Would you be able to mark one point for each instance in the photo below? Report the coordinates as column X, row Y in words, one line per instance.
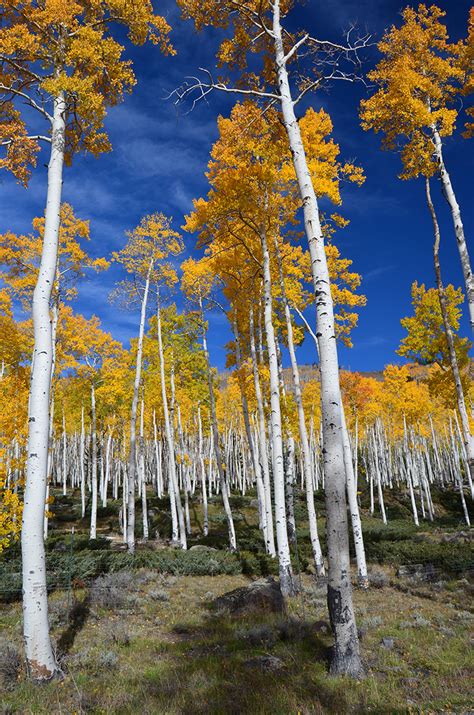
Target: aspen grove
column 180, row 425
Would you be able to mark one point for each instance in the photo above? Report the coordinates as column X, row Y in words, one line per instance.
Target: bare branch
column 202, row 89
column 350, row 48
column 295, row 48
column 308, row 88
column 29, row 100
column 308, row 327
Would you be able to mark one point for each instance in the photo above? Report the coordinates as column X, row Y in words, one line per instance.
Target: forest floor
column 133, row 639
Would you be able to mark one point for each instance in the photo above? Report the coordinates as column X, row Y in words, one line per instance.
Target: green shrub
column 450, row 557
column 84, row 566
column 258, row 564
column 112, row 509
column 65, row 542
column 239, row 502
column 10, row 583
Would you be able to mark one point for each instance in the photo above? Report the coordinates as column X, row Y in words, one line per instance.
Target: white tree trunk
column 252, row 446
column 457, row 477
column 346, row 657
column 40, row 659
column 132, row 457
column 50, row 458
column 262, row 443
column 142, row 474
column 284, row 559
column 466, row 430
column 178, row 532
column 82, row 459
column 64, row 461
column 450, row 197
column 107, row 469
column 93, row 528
column 54, row 330
column 354, row 506
column 159, row 474
column 177, row 493
column 205, row 526
column 307, row 470
column 217, row 449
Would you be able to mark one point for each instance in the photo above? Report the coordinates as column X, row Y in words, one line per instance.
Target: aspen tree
column 20, row 255
column 262, row 432
column 416, row 104
column 258, row 30
column 62, row 62
column 443, row 302
column 286, row 574
column 13, row 394
column 178, row 530
column 433, row 339
column 466, row 59
column 89, row 347
column 172, row 351
column 205, row 525
column 255, row 149
column 348, row 320
column 257, row 445
column 197, row 283
column 144, row 257
column 308, row 473
column 245, row 212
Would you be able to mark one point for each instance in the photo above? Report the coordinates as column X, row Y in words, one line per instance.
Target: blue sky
column 159, row 158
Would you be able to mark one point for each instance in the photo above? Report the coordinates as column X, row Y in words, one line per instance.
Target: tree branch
column 204, row 88
column 29, row 100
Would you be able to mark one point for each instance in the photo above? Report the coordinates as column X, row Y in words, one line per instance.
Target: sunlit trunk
column 262, row 443
column 217, row 449
column 304, row 442
column 93, row 527
column 467, row 439
column 450, row 197
column 178, row 533
column 284, row 560
column 40, row 658
column 132, row 457
column 346, row 657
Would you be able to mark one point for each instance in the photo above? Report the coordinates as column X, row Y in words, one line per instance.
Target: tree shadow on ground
column 77, row 619
column 272, row 664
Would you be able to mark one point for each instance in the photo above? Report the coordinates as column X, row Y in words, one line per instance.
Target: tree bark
column 40, row 659
column 307, row 470
column 93, row 527
column 217, row 448
column 286, row 574
column 132, row 456
column 346, row 657
column 177, row 524
column 142, row 475
column 205, row 525
column 450, row 197
column 262, row 442
column 82, row 459
column 259, row 479
column 354, row 506
column 465, row 428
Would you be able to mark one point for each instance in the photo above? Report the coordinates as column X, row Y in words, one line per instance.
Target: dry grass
column 172, row 656
column 142, row 642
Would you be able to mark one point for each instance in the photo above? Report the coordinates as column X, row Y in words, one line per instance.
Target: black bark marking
column 334, row 605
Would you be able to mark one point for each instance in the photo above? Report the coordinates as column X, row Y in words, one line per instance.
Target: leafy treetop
column 65, row 48
column 418, row 81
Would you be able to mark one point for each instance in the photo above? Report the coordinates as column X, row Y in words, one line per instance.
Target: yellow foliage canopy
column 419, row 78
column 65, row 48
